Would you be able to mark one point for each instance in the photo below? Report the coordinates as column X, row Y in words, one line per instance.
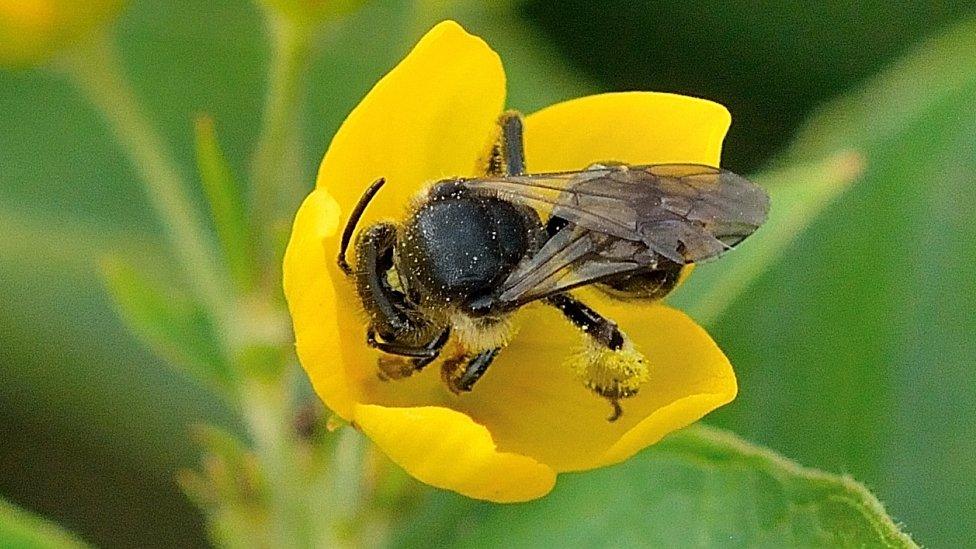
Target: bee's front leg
column 401, row 360
column 462, row 371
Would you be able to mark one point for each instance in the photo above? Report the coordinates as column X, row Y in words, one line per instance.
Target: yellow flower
column 31, row 31
column 529, row 418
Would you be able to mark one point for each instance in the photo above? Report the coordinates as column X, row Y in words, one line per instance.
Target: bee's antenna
column 354, row 217
column 617, row 410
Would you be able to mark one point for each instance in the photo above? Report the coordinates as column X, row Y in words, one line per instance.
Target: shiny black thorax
column 458, row 246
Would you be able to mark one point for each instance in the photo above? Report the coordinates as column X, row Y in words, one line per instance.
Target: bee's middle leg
column 462, row 371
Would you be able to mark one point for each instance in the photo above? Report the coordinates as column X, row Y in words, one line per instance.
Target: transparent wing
column 573, row 257
column 684, row 212
column 623, row 218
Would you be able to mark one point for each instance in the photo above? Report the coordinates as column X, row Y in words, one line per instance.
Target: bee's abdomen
column 646, row 285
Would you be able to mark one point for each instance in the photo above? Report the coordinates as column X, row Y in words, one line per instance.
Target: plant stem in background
column 274, row 179
column 268, row 412
column 95, row 68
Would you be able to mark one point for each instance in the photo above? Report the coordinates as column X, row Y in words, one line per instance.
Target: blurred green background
column 855, row 352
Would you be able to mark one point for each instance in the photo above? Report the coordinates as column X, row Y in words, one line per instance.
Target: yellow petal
column 430, row 118
column 533, row 404
column 445, row 448
column 312, row 301
column 632, row 127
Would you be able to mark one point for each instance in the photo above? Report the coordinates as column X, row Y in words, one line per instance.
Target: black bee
column 472, row 251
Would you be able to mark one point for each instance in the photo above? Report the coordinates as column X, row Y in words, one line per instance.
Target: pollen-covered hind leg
column 612, row 374
column 608, row 365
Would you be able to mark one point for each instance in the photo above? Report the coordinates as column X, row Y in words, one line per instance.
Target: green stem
column 274, row 178
column 266, row 407
column 96, row 70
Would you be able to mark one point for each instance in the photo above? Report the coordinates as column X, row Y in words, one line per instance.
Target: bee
column 472, row 251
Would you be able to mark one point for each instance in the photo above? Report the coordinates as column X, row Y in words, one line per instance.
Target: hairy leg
column 461, row 372
column 508, row 154
column 609, row 365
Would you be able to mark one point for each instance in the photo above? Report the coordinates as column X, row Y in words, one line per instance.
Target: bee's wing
column 572, row 257
column 684, row 212
column 624, row 218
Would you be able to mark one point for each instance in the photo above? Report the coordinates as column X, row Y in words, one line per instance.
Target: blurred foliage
column 228, row 207
column 31, row 31
column 169, row 322
column 19, row 529
column 769, row 62
column 313, row 11
column 854, row 352
column 230, row 490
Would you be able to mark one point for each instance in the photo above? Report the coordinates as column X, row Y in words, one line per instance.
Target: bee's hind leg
column 508, row 154
column 602, row 330
column 609, row 365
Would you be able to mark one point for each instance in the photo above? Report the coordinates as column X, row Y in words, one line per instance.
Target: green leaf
column 854, row 351
column 228, row 207
column 170, row 322
column 700, row 487
column 22, row 530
